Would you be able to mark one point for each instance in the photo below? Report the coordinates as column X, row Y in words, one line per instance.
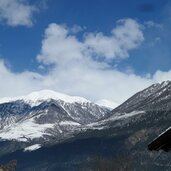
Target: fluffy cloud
column 162, row 76
column 126, row 36
column 73, row 66
column 16, row 12
column 59, row 45
column 83, row 80
column 17, row 83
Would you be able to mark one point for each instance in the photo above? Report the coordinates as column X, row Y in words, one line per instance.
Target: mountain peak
column 49, row 94
column 45, row 113
column 37, row 96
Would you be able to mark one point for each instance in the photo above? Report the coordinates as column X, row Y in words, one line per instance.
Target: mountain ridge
column 48, row 119
column 37, row 96
column 156, row 94
column 126, row 129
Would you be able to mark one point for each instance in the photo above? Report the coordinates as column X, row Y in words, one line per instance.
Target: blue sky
column 101, row 17
column 24, row 43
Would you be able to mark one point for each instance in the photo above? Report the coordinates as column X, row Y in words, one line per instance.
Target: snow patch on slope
column 126, row 115
column 69, row 123
column 115, row 117
column 22, row 131
column 32, row 147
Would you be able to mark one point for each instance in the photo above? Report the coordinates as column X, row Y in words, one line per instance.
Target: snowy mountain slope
column 133, row 124
column 23, row 131
column 43, row 116
column 157, row 96
column 11, row 112
column 118, row 119
column 154, row 98
column 46, row 115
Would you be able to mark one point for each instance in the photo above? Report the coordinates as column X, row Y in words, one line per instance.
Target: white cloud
column 152, row 24
column 126, row 36
column 76, row 71
column 59, row 46
column 162, row 76
column 73, row 67
column 77, row 29
column 83, row 80
column 16, row 12
column 17, row 83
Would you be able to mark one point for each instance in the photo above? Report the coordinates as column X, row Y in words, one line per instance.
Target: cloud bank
column 82, row 66
column 16, row 12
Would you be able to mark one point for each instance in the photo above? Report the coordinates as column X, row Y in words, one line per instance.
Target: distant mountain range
column 51, row 131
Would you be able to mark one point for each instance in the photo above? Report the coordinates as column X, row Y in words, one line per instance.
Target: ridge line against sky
column 73, row 59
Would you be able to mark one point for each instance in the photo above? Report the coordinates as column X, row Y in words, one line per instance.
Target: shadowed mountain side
column 68, row 156
column 11, row 166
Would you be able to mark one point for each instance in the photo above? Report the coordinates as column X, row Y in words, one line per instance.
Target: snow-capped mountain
column 156, row 98
column 46, row 115
column 126, row 130
column 37, row 130
column 50, row 115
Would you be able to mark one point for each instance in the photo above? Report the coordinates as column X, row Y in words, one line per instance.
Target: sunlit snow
column 32, row 147
column 36, row 98
column 69, row 123
column 25, row 130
